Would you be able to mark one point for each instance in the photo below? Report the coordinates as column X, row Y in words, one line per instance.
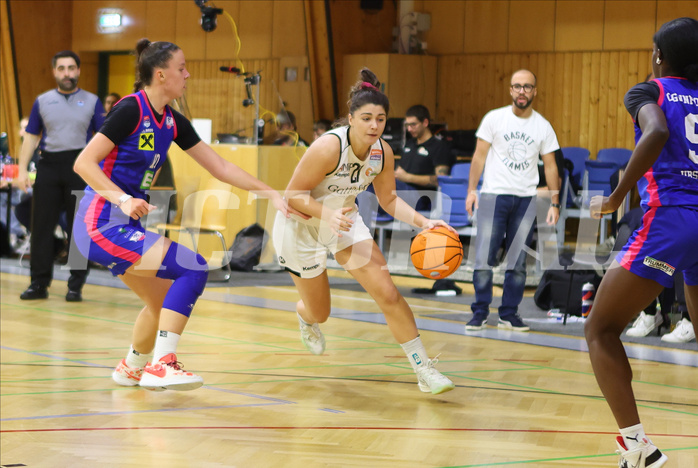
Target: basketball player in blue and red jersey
column 119, row 165
column 664, row 164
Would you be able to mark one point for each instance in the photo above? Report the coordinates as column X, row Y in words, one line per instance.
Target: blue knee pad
column 189, row 272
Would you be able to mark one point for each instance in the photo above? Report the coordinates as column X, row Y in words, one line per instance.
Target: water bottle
column 587, row 298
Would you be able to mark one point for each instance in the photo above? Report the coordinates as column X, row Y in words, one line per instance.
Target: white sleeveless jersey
column 350, row 176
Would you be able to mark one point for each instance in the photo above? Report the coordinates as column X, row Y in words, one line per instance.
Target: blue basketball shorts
column 665, row 243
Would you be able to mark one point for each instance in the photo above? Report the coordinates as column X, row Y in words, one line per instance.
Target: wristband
column 555, row 205
column 123, row 199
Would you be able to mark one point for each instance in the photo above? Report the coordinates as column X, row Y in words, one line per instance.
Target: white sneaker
column 312, row 337
column 683, row 332
column 431, row 380
column 167, row 374
column 645, row 324
column 643, row 456
column 127, row 376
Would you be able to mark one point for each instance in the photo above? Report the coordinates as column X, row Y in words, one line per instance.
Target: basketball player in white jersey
column 340, row 164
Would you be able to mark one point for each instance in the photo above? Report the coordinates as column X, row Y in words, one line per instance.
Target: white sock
column 634, row 436
column 136, row 359
column 165, row 344
column 416, row 354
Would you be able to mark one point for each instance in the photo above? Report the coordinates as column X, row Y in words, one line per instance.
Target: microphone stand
column 254, row 80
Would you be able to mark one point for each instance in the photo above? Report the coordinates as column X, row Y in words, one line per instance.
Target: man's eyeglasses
column 527, row 87
column 411, row 124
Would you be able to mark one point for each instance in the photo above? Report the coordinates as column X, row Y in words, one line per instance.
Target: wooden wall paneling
column 579, row 25
column 9, row 112
column 447, row 32
column 296, row 94
column 574, row 102
column 288, row 30
column 670, row 9
column 604, row 85
column 594, row 103
column 190, row 37
column 470, row 69
column 621, row 123
column 89, row 71
column 255, row 28
column 557, row 104
column 546, row 75
column 584, row 102
column 222, row 42
column 523, row 35
column 161, row 21
column 122, row 74
column 486, row 26
column 412, row 80
column 307, row 115
column 629, row 24
column 453, row 77
column 612, row 98
column 86, row 36
column 37, row 37
column 322, row 87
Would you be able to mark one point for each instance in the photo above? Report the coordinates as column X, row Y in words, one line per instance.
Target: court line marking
column 343, row 428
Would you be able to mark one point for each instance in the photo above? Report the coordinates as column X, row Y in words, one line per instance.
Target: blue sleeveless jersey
column 673, row 178
column 103, row 233
column 133, row 162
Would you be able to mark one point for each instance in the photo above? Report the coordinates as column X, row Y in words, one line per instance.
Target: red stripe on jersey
column 91, row 218
column 110, row 160
column 652, row 188
column 640, row 239
column 661, row 92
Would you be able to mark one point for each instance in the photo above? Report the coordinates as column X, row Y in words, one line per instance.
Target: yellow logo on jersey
column 146, row 142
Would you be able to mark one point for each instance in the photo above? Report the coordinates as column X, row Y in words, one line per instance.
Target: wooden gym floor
column 520, row 401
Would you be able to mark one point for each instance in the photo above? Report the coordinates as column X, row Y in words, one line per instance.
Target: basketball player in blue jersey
column 664, row 164
column 340, row 164
column 119, row 165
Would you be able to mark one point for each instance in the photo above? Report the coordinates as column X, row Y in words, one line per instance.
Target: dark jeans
column 55, row 182
column 508, row 219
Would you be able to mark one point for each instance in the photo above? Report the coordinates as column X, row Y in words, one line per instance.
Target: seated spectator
column 320, row 127
column 287, row 133
column 109, row 101
column 424, row 157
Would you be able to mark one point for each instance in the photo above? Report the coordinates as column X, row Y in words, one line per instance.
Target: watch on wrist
column 123, row 199
column 555, row 205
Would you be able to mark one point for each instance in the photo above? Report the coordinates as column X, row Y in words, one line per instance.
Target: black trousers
column 53, row 193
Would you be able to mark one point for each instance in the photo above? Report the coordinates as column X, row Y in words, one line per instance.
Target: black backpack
column 247, row 248
column 562, row 289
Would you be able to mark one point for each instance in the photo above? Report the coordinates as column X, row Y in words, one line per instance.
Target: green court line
column 528, row 365
column 544, row 460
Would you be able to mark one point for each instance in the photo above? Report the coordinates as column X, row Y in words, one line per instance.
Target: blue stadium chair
column 597, row 178
column 597, row 181
column 451, row 204
column 461, row 170
column 619, row 156
column 577, row 156
column 376, row 220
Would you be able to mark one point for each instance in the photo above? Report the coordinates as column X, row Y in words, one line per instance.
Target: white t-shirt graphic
column 511, row 167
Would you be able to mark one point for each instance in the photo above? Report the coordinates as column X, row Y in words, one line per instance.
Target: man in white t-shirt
column 510, row 140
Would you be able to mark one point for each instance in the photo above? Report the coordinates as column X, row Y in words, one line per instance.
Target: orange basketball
column 436, row 253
